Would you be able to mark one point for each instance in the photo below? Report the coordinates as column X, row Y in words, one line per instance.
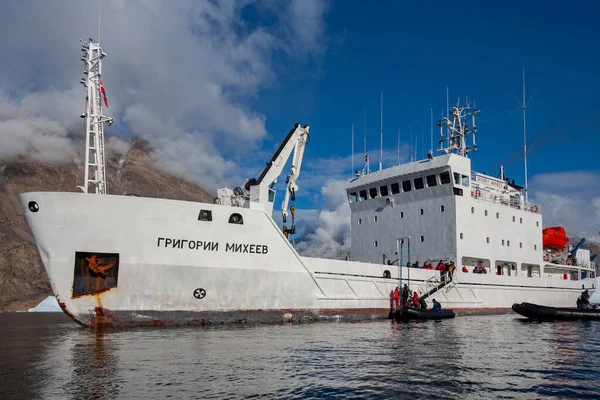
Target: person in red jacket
column 397, row 297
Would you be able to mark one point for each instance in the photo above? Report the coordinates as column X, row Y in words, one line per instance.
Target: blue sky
column 412, row 50
column 216, row 85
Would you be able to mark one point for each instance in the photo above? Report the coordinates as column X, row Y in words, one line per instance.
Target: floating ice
column 49, row 304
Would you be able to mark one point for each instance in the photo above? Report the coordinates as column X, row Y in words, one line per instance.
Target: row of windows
column 421, row 212
column 487, row 240
column 206, row 215
column 537, row 223
column 408, row 185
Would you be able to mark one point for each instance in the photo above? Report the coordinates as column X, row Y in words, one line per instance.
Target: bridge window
column 362, row 194
column 445, row 177
column 442, row 208
column 406, row 187
column 419, row 183
column 395, row 188
column 465, row 180
column 236, row 218
column 373, row 192
column 353, row 197
column 431, row 180
column 456, row 178
column 205, row 215
column 383, row 190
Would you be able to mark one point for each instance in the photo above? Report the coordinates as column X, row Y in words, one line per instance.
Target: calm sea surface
column 48, row 356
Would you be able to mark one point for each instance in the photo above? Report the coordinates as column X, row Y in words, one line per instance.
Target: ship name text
column 212, row 246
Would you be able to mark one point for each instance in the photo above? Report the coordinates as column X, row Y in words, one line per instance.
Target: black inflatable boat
column 411, row 313
column 544, row 313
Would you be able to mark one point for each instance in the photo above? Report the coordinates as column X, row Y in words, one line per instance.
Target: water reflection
column 468, row 357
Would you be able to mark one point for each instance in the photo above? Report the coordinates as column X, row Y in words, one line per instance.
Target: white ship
column 124, row 260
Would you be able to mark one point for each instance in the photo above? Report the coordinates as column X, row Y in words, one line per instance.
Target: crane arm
column 295, row 172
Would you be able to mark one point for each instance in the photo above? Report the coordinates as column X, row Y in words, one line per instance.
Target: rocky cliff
column 23, row 280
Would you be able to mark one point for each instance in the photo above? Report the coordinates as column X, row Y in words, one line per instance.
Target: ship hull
column 123, row 261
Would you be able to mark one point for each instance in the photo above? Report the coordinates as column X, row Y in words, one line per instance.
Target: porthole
column 497, row 215
column 236, row 218
column 521, row 220
column 461, row 235
column 441, row 208
column 520, row 245
column 205, row 215
column 472, row 210
column 487, row 239
column 535, row 246
column 375, row 243
column 502, row 242
column 375, row 218
column 513, row 218
column 360, row 221
column 537, row 223
column 422, row 239
column 508, row 243
column 401, row 214
column 421, row 211
column 486, row 213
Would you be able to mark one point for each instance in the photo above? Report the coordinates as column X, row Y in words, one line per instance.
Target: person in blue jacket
column 436, row 305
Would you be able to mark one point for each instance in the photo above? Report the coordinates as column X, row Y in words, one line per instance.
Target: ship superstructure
column 451, row 212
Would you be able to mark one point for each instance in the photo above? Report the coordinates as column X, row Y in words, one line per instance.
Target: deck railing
column 490, row 197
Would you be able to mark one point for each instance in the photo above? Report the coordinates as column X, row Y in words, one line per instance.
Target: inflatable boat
column 411, row 313
column 544, row 313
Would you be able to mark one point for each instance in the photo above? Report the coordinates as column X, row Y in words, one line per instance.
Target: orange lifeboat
column 554, row 238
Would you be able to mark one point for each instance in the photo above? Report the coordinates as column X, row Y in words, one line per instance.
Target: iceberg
column 49, row 304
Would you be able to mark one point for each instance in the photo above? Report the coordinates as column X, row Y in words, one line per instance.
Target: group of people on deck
column 403, row 297
column 446, row 269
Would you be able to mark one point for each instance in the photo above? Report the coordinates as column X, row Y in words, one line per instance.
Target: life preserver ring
column 534, row 209
column 569, row 261
column 546, row 257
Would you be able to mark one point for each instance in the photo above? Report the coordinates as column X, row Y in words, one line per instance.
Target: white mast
column 381, row 136
column 398, row 146
column 431, row 128
column 95, row 169
column 525, row 134
column 352, row 149
column 457, row 130
column 367, row 168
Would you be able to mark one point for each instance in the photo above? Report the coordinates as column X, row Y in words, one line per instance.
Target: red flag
column 104, row 94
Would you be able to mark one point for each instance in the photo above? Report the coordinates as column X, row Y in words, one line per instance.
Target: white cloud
column 182, row 74
column 330, row 236
column 570, row 199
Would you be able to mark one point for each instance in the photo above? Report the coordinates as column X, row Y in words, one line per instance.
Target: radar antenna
column 454, row 140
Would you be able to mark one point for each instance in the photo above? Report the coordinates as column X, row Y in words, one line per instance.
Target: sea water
column 501, row 356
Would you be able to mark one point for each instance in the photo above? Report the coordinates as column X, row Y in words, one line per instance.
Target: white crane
column 258, row 193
